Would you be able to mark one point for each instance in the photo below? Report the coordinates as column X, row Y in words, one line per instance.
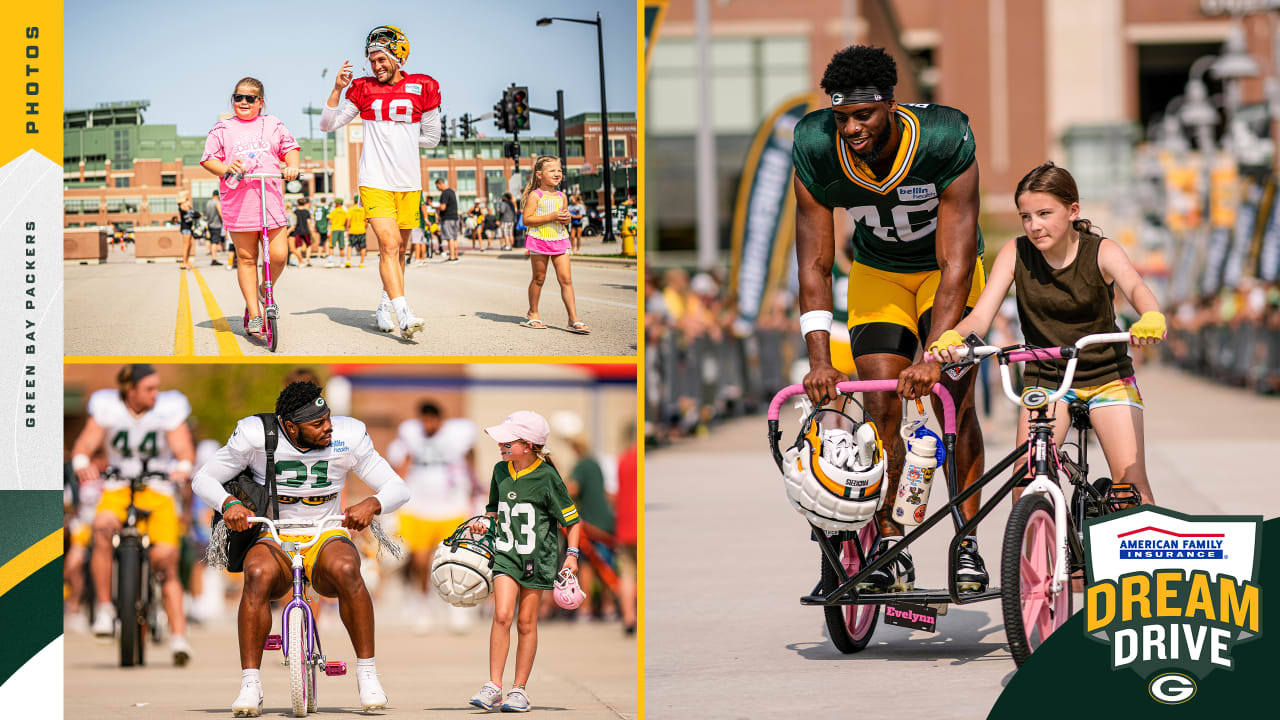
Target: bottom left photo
column 400, row 539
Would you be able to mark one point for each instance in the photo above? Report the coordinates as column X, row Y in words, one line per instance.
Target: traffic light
column 445, row 130
column 519, row 108
column 466, row 126
column 501, row 116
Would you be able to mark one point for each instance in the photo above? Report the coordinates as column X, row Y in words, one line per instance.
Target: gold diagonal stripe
column 227, row 344
column 30, row 560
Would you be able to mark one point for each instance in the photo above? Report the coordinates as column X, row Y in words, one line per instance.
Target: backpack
column 261, row 500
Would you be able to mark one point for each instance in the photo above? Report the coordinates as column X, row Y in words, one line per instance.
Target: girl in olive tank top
column 546, row 215
column 1066, row 274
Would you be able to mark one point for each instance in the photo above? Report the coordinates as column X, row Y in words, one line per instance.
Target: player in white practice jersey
column 400, row 113
column 434, row 456
column 138, row 423
column 315, row 453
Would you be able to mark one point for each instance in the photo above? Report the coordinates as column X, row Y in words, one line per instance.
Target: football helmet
column 566, row 591
column 835, row 478
column 462, row 567
column 389, row 39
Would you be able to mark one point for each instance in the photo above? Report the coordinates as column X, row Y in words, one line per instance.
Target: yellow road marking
column 182, row 340
column 30, row 560
column 227, row 344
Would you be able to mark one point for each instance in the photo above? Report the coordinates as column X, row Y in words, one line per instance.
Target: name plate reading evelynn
column 918, row 617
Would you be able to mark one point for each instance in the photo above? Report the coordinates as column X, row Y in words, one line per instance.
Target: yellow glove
column 947, row 339
column 1149, row 326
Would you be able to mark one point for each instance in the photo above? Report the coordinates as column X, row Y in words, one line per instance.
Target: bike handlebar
column 315, row 526
column 263, row 175
column 974, row 355
column 948, row 404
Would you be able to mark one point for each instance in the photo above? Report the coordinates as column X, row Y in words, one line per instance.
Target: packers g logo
column 511, row 495
column 1172, row 688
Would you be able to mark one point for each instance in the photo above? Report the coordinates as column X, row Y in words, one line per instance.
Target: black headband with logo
column 859, row 95
column 313, row 410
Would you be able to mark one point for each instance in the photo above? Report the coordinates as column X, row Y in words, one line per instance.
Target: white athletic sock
column 385, row 300
column 402, row 307
column 366, row 664
column 247, row 676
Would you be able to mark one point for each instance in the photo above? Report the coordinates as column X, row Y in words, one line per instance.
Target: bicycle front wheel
column 850, row 626
column 1032, row 610
column 129, row 602
column 273, row 332
column 297, row 663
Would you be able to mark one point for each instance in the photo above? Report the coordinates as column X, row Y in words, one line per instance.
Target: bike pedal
column 273, row 643
column 335, row 667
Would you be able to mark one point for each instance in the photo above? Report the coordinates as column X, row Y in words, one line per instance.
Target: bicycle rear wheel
column 297, row 663
column 850, row 626
column 129, row 602
column 1032, row 611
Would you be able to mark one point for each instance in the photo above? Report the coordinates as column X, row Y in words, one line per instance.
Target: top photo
column 322, row 179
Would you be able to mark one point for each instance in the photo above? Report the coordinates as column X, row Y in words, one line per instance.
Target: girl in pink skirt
column 251, row 142
column 546, row 215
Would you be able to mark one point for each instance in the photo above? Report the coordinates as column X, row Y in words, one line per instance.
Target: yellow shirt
column 356, row 216
column 337, row 218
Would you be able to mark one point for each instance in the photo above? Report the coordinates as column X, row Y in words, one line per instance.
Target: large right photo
column 962, row 338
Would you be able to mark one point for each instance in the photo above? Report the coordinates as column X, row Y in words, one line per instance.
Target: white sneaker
column 104, row 621
column 488, row 696
column 383, row 317
column 517, row 701
column 328, row 263
column 249, row 702
column 371, row 695
column 181, row 650
column 76, row 622
column 410, row 324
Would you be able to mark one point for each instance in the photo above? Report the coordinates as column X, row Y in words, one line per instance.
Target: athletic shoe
column 249, row 702
column 104, row 621
column 900, row 574
column 230, row 266
column 214, row 262
column 76, row 622
column 410, row 325
column 383, row 317
column 517, row 701
column 371, row 695
column 181, row 650
column 349, row 264
column 971, row 573
column 488, row 696
column 255, row 326
column 328, row 262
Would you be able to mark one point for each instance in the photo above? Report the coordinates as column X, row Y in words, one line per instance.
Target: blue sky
column 185, row 57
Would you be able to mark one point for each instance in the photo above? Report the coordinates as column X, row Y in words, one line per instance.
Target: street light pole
column 604, row 119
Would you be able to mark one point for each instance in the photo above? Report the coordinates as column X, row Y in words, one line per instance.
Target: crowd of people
column 433, row 478
column 1231, row 337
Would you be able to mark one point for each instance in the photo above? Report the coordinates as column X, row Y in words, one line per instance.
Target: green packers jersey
column 529, row 506
column 896, row 216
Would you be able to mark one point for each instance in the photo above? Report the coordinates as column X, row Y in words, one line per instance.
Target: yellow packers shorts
column 161, row 526
column 423, row 535
column 890, row 312
column 403, row 207
column 310, row 555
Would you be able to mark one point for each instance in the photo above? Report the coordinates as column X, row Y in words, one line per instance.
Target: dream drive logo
column 1172, row 594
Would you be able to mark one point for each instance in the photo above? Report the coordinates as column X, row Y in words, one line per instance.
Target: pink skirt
column 547, row 247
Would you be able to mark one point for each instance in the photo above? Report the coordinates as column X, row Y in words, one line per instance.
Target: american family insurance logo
column 1172, row 594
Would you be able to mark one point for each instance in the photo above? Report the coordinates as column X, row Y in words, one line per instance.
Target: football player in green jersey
column 908, row 178
column 527, row 501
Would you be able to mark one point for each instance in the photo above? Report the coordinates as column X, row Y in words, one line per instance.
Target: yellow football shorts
column 161, row 526
column 309, row 555
column 880, row 300
column 403, row 207
column 422, row 535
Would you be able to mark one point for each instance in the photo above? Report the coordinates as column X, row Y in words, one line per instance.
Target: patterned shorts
column 1117, row 392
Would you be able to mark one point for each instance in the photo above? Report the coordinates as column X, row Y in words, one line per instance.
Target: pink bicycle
column 1043, row 539
column 270, row 314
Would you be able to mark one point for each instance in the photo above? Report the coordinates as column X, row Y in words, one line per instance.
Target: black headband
column 138, row 371
column 858, row 95
column 313, row 410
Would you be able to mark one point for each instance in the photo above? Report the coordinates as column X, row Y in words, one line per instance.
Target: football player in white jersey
column 315, row 453
column 434, row 456
column 401, row 113
column 139, row 423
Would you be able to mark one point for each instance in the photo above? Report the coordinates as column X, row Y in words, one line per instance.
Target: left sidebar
column 31, row 537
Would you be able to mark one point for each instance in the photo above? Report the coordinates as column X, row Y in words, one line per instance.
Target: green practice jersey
column 896, row 216
column 529, row 506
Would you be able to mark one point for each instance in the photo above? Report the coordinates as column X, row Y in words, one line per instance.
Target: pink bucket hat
column 524, row 425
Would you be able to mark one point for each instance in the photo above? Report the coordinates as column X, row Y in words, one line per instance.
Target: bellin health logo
column 1172, row 594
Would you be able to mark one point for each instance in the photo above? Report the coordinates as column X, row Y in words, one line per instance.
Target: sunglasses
column 237, row 97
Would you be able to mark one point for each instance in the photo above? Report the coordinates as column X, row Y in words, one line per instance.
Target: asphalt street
column 727, row 560
column 472, row 307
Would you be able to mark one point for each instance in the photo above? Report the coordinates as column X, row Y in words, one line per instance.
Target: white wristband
column 816, row 320
column 183, row 466
column 79, row 462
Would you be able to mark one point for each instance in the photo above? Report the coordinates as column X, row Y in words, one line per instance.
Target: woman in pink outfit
column 251, row 142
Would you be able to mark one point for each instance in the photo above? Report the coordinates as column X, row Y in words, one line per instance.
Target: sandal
column 580, row 328
column 534, row 324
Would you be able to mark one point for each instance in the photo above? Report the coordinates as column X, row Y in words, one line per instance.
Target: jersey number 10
column 399, row 110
